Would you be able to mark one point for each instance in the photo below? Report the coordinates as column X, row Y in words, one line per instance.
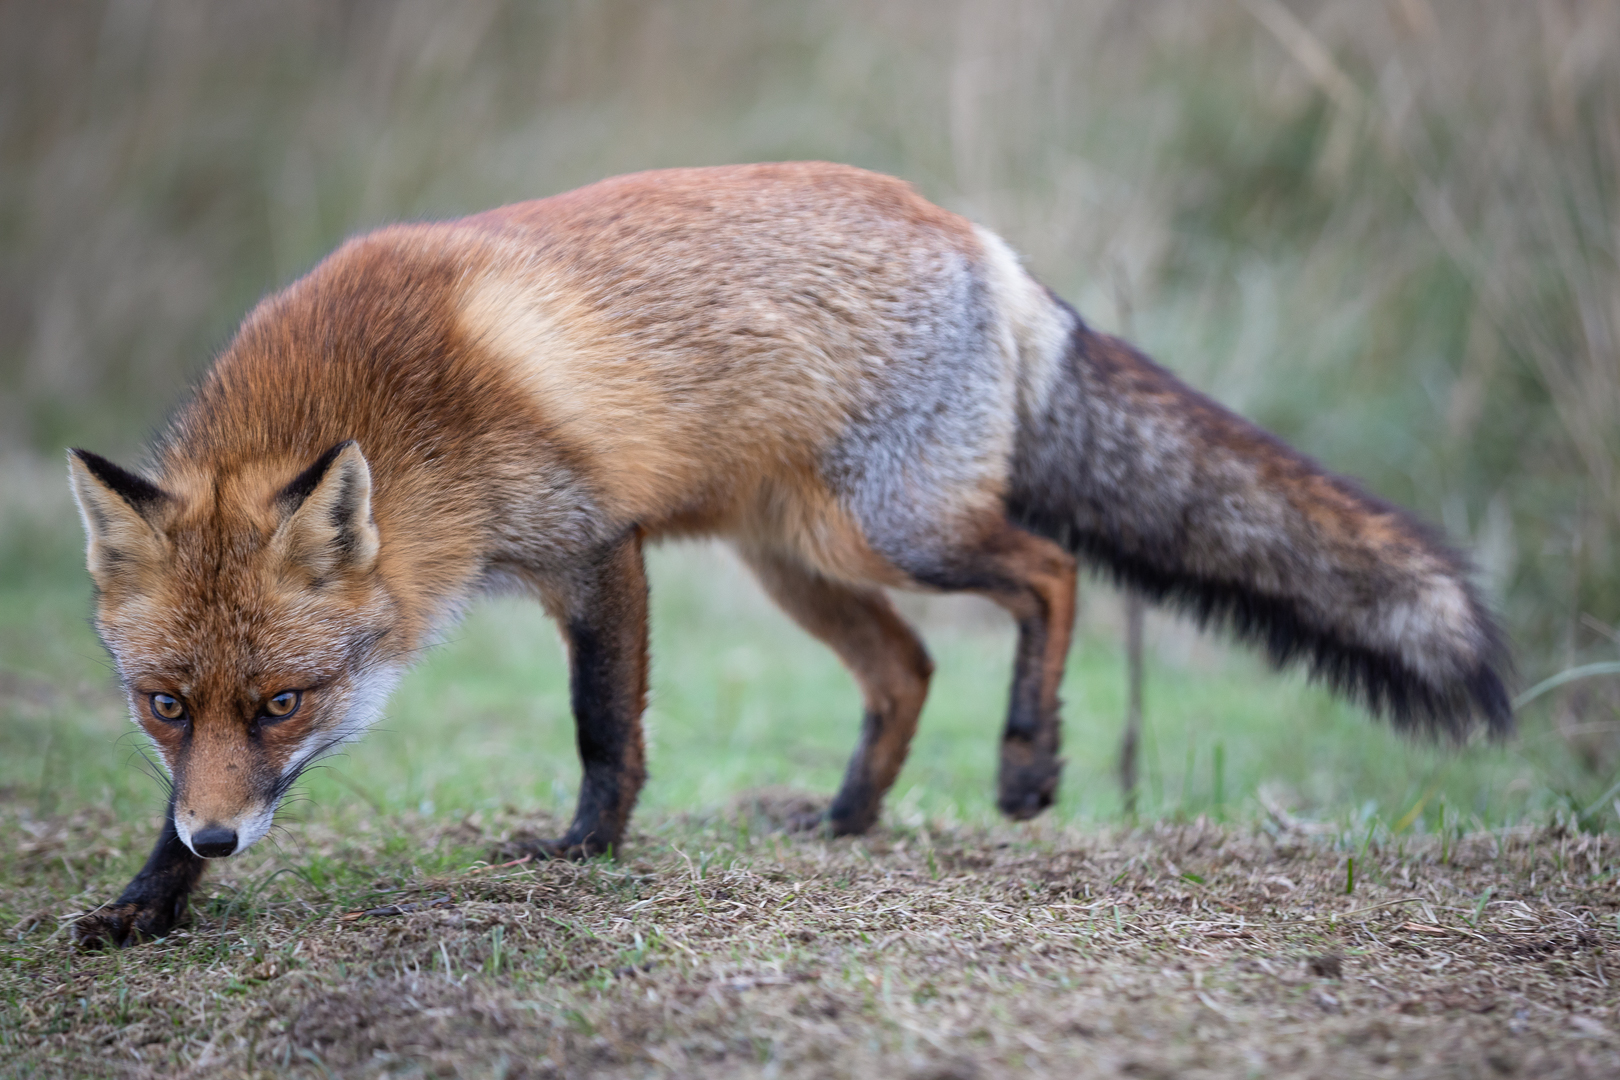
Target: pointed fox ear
column 119, row 509
column 326, row 525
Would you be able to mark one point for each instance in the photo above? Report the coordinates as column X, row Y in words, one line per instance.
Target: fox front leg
column 603, row 615
column 153, row 903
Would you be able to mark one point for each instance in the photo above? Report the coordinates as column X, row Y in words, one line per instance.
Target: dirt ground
column 722, row 947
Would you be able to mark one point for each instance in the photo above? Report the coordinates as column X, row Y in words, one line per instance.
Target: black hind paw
column 1029, row 780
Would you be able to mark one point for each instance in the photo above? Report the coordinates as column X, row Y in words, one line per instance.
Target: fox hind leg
column 887, row 660
column 1034, row 580
column 1040, row 593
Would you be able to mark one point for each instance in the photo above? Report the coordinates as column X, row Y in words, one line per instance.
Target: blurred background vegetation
column 1387, row 229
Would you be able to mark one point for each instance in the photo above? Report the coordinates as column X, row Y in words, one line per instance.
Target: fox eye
column 167, row 707
column 283, row 704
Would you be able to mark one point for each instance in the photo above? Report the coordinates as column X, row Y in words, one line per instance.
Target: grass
column 1330, row 900
column 717, row 945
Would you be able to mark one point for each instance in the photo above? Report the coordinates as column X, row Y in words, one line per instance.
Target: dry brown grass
column 721, row 947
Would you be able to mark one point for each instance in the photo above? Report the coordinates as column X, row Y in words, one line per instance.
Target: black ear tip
column 136, row 490
column 298, row 489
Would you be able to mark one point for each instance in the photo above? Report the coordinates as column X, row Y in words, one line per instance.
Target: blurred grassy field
column 1386, row 230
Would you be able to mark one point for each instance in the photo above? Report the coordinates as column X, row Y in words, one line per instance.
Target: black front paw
column 125, row 923
column 153, row 902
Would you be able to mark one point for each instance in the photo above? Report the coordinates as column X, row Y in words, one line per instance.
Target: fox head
column 247, row 621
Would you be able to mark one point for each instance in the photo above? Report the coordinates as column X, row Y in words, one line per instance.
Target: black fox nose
column 214, row 841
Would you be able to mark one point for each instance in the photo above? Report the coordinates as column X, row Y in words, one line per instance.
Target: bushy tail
column 1190, row 504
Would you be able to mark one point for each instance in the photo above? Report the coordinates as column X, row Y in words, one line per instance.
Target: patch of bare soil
column 722, row 948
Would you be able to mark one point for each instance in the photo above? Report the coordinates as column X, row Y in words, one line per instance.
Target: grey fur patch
column 555, row 526
column 936, row 423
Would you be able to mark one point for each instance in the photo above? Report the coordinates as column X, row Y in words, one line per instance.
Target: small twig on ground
column 501, row 866
column 1133, row 710
column 394, row 909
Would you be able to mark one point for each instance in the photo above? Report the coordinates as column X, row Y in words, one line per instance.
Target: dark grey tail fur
column 1190, row 504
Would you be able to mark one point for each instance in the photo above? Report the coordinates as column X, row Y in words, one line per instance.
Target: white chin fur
column 253, row 826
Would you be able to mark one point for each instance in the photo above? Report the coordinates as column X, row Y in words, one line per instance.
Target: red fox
column 855, row 388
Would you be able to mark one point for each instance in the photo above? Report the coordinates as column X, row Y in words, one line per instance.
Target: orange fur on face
column 235, row 602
